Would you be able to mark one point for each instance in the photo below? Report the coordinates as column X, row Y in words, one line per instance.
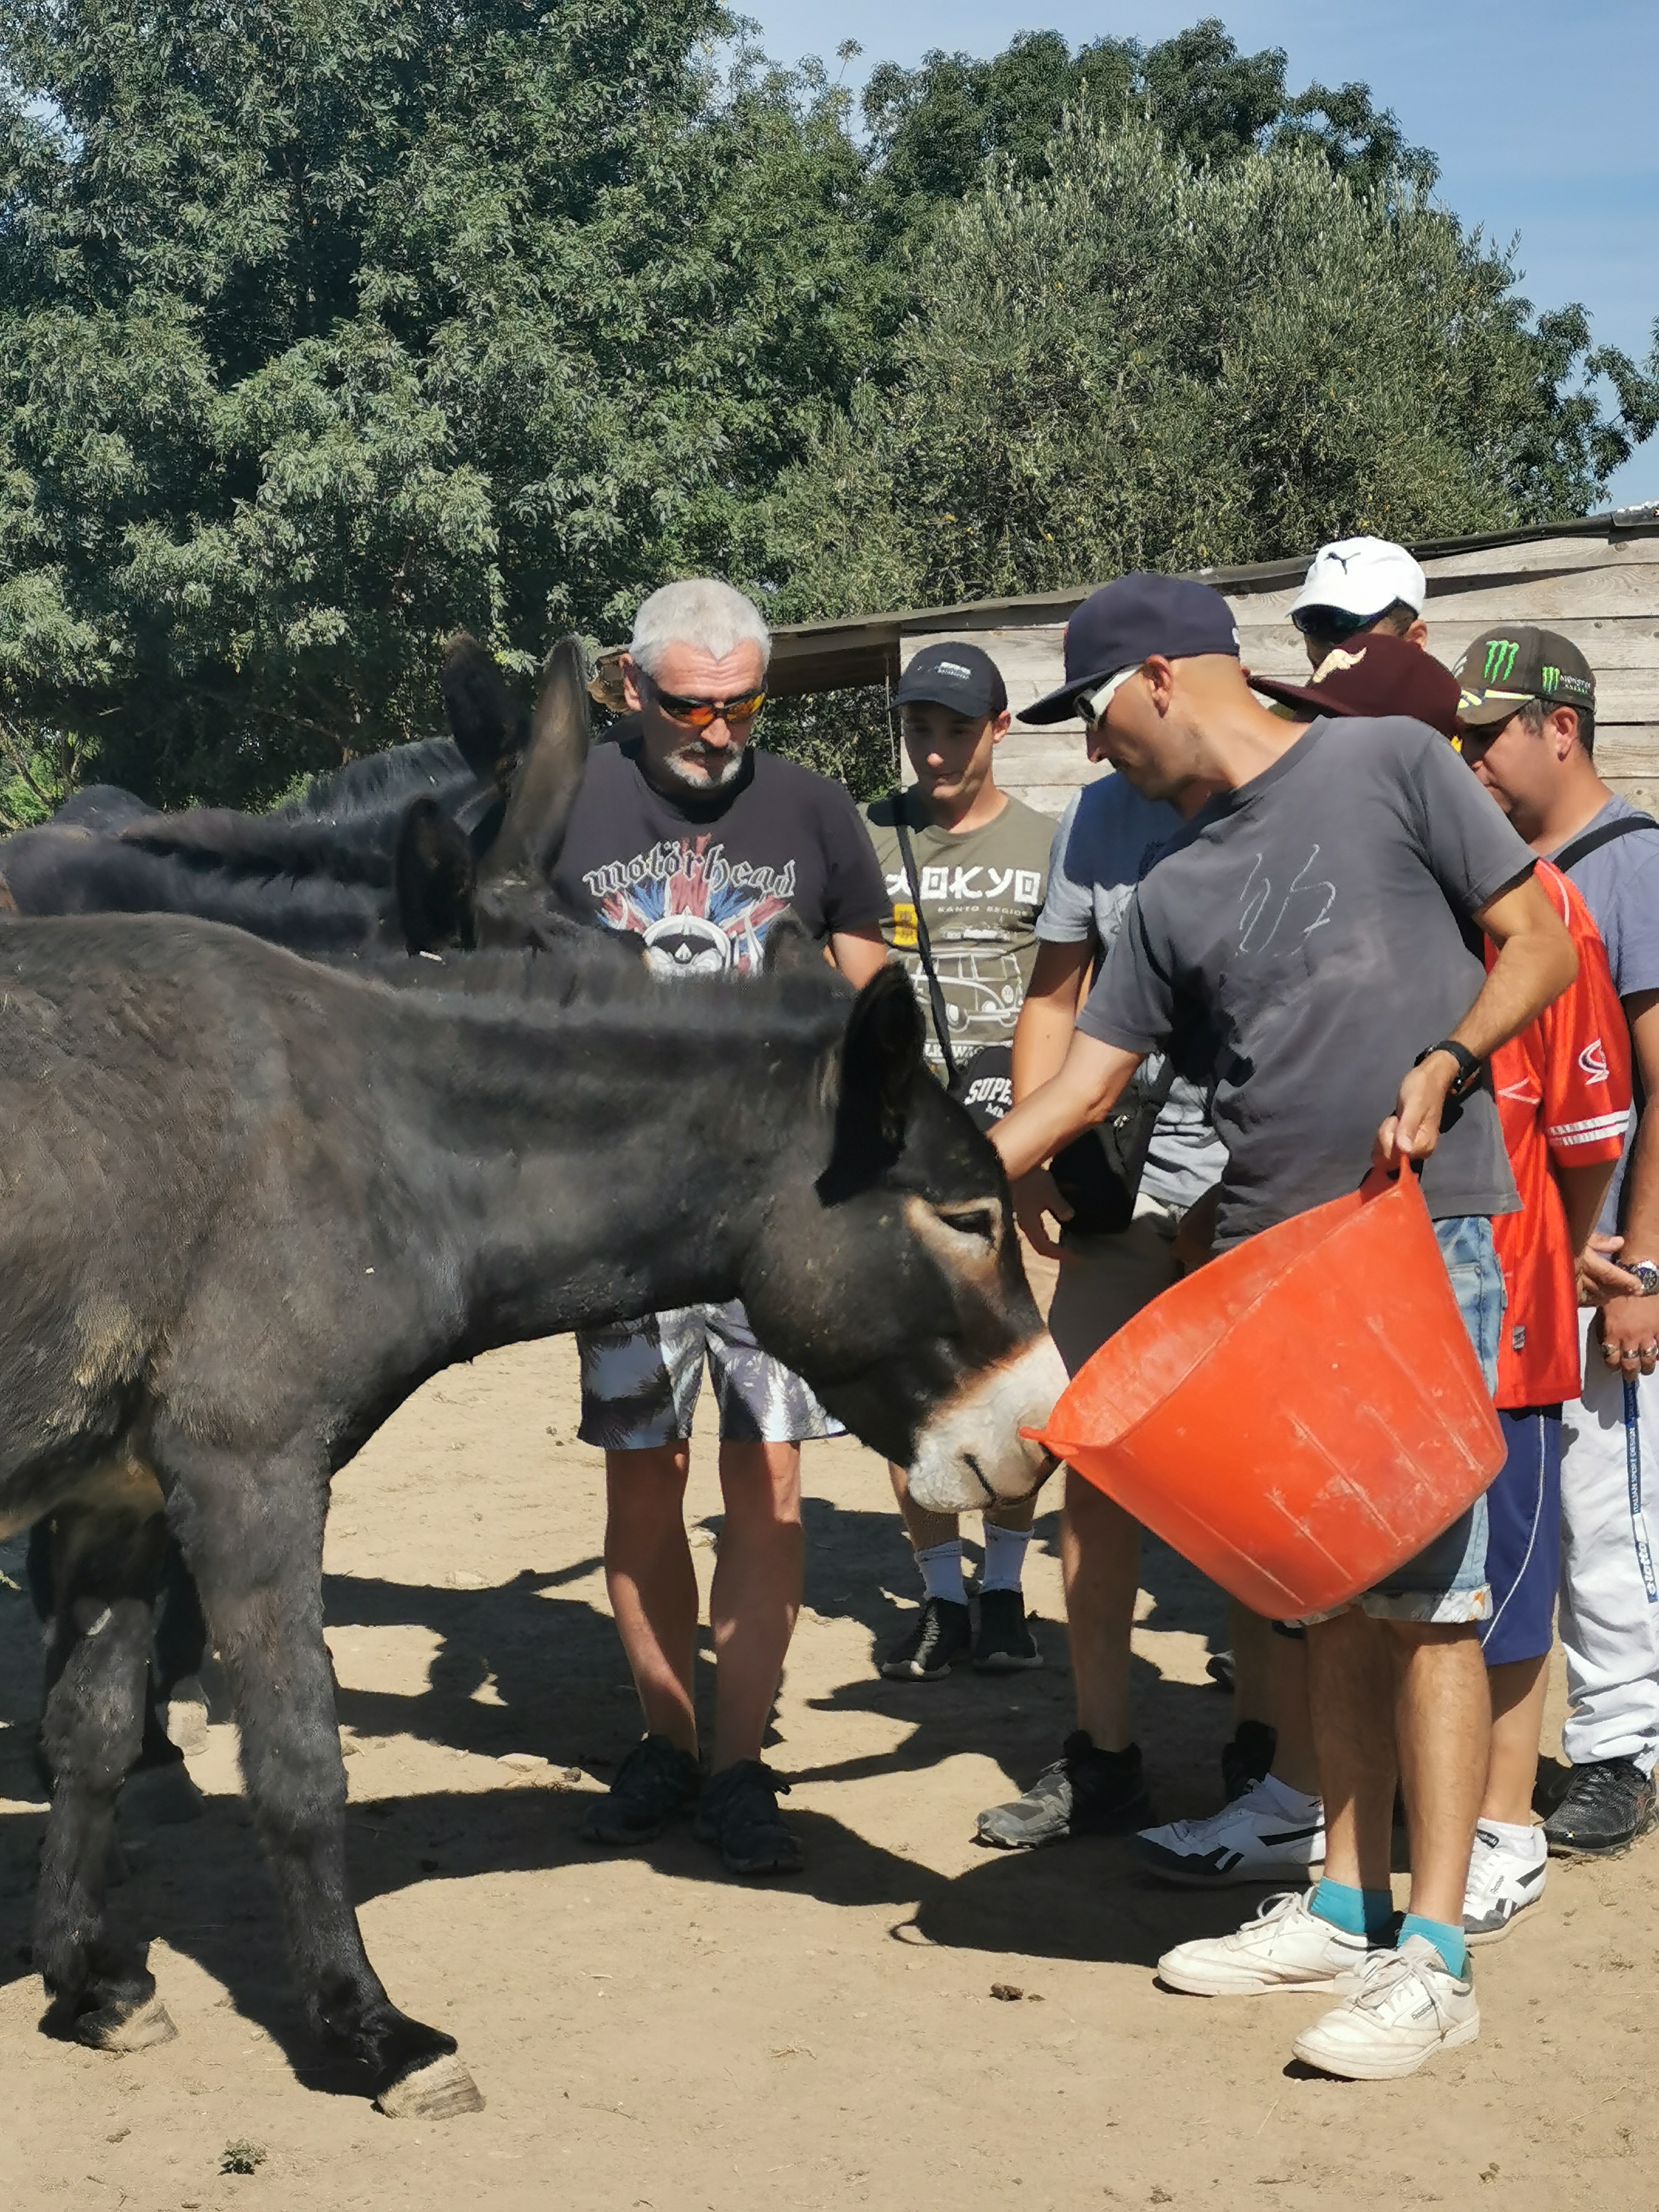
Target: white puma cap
column 1363, row 577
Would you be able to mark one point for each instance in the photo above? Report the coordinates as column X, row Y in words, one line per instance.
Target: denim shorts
column 1446, row 1582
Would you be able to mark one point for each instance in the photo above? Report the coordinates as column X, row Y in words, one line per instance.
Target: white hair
column 698, row 610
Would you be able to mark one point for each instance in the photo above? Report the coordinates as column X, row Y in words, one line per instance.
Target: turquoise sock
column 1446, row 1939
column 1364, row 1912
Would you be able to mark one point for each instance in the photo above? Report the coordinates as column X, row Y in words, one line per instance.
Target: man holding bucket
column 1315, row 914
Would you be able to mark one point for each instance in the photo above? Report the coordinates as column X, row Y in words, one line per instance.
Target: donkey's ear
column 491, row 727
column 881, row 1058
column 549, row 776
column 790, row 947
column 434, row 877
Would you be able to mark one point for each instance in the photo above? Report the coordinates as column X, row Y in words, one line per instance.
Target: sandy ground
column 650, row 2033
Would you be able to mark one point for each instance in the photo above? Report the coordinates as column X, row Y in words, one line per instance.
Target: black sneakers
column 1605, row 1807
column 1084, row 1793
column 940, row 1637
column 656, row 1781
column 1005, row 1644
column 739, row 1816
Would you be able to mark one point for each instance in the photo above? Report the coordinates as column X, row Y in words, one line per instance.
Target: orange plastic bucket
column 1301, row 1416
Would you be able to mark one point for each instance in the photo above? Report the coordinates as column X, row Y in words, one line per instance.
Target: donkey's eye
column 971, row 1220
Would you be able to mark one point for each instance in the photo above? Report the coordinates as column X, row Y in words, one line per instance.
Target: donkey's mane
column 353, row 850
column 594, row 969
column 380, row 783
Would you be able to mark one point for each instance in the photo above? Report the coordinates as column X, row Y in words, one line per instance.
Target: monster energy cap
column 1505, row 668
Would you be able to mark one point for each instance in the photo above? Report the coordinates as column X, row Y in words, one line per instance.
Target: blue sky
column 1542, row 116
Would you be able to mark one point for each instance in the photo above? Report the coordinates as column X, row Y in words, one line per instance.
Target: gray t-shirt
column 1316, row 920
column 1107, row 837
column 1619, row 885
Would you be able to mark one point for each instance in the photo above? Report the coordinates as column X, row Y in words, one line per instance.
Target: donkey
column 387, row 851
column 251, row 1203
column 443, row 842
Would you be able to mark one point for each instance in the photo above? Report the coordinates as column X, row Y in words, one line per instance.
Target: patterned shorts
column 641, row 1381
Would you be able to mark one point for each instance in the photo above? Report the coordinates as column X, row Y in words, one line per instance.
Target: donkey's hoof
column 126, row 2028
column 161, row 1796
column 441, row 2089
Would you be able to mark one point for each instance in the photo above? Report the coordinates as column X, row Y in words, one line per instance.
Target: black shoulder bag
column 1098, row 1174
column 1592, row 841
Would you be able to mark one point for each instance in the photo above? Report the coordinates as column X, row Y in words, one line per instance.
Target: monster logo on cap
column 1517, row 665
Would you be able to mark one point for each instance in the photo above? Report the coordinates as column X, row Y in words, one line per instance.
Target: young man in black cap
column 1528, row 714
column 1312, row 915
column 966, row 866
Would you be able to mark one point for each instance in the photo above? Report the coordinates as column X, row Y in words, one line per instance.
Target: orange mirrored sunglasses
column 698, row 713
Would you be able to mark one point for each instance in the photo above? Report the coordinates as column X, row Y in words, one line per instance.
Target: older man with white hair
column 698, row 840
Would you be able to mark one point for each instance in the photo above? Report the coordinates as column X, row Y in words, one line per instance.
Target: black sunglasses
column 1333, row 624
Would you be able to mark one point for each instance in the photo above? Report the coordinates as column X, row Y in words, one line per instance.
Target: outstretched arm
column 1536, row 961
column 1043, row 1034
column 1089, row 1085
column 1091, row 1082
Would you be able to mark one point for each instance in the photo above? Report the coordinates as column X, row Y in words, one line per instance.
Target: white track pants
column 1609, row 1616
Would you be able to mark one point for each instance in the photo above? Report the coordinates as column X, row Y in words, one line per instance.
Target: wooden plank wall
column 1604, row 597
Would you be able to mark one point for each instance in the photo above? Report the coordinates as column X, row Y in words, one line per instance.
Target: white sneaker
column 1285, row 1948
column 1252, row 1839
column 1409, row 2004
column 1502, row 1884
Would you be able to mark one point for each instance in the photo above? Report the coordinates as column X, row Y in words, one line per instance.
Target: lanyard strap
column 924, row 944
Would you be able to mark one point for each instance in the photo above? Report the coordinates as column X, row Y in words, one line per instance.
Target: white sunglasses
column 1091, row 705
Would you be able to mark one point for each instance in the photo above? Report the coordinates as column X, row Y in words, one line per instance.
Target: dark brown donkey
column 248, row 1204
column 389, row 853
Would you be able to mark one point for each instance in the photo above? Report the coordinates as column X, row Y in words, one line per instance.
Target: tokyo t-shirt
column 981, row 892
column 703, row 881
column 1319, row 921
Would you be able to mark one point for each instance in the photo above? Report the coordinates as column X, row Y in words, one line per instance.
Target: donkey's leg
column 253, row 1537
column 105, row 1567
column 160, row 1789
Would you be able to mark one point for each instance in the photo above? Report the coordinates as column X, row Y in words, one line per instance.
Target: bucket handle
column 1377, row 1180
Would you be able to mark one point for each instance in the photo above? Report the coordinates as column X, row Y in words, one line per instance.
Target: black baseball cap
column 1123, row 624
column 957, row 676
column 1505, row 668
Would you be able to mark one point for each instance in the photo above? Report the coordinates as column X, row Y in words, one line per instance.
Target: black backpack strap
column 924, row 946
column 1592, row 841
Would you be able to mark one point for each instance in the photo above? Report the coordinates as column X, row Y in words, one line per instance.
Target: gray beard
column 721, row 768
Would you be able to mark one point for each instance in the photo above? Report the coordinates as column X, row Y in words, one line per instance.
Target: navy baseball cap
column 1123, row 624
column 957, row 676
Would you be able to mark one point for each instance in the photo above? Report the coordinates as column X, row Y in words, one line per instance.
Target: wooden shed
column 1595, row 581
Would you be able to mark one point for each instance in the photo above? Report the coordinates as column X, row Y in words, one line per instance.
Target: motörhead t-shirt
column 703, row 880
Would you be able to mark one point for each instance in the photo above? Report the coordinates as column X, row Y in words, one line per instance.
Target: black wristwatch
column 1468, row 1068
